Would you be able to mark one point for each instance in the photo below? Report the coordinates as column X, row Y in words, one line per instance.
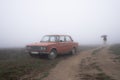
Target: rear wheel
column 73, row 52
column 53, row 54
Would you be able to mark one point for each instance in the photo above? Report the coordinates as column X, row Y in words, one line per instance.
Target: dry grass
column 116, row 50
column 15, row 63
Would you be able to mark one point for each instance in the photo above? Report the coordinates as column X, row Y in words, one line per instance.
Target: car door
column 68, row 42
column 62, row 45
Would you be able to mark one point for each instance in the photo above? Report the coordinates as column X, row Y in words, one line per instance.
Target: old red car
column 52, row 45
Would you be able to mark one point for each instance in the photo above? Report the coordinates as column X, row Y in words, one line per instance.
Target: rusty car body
column 53, row 45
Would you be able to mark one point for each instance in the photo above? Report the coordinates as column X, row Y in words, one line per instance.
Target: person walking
column 104, row 39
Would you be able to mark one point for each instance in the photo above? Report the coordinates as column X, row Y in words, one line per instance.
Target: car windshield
column 48, row 39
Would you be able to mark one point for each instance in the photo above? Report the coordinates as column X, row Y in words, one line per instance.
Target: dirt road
column 95, row 64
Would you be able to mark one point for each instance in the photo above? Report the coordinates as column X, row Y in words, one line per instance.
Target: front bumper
column 36, row 52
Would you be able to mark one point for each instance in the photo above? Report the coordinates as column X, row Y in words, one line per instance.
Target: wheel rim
column 52, row 55
column 73, row 51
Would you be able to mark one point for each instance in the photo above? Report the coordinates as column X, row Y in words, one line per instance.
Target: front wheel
column 53, row 54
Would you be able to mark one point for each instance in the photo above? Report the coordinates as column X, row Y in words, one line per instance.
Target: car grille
column 35, row 48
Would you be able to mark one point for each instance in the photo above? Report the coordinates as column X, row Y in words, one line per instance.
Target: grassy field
column 15, row 63
column 116, row 50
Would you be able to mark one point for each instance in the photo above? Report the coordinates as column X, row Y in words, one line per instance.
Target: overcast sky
column 26, row 21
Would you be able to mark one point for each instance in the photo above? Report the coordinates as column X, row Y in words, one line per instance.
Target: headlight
column 43, row 48
column 28, row 47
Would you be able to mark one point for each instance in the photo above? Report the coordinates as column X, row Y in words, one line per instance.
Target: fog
column 25, row 21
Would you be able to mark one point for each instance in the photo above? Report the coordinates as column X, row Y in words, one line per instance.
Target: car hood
column 41, row 44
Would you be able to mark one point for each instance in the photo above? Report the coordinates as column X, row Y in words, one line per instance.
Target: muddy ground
column 94, row 64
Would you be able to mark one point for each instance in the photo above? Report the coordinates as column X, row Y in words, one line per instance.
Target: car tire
column 52, row 55
column 73, row 52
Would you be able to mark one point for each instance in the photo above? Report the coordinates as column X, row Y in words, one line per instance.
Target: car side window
column 62, row 39
column 68, row 39
column 52, row 39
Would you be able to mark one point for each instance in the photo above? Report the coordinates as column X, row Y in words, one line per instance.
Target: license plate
column 35, row 52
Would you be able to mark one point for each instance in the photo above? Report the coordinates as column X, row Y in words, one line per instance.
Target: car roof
column 56, row 35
